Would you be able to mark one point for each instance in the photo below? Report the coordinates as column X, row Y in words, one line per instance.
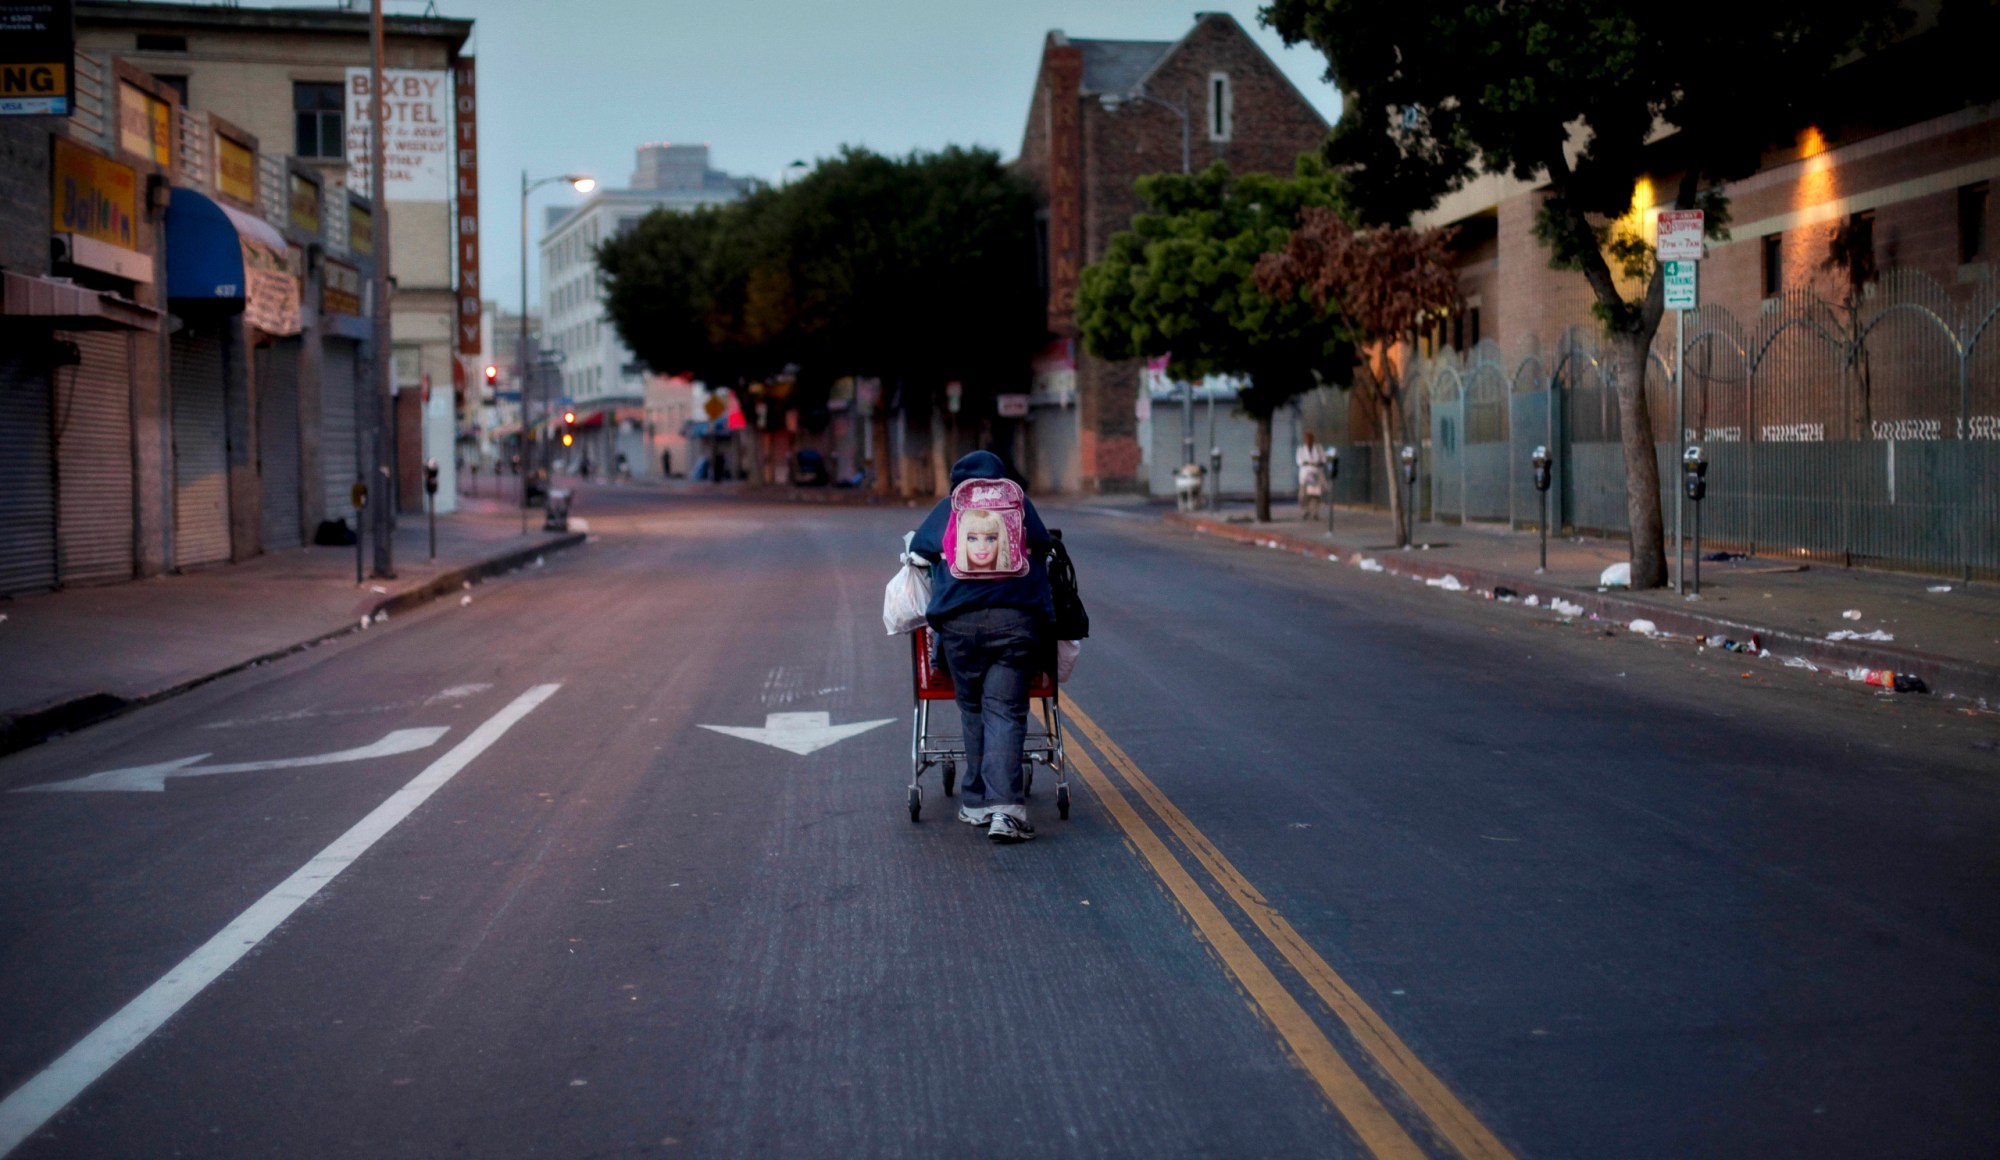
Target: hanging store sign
column 145, row 125
column 37, row 43
column 95, row 197
column 360, row 230
column 1065, row 85
column 340, row 291
column 466, row 163
column 304, row 203
column 416, row 139
column 236, row 171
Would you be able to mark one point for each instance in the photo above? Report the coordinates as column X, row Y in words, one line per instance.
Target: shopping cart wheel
column 1062, row 801
column 916, row 803
column 950, row 777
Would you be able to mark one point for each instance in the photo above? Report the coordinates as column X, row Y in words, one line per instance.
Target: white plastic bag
column 1066, row 653
column 908, row 596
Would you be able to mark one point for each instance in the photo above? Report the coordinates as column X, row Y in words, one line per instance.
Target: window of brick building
column 319, row 110
column 1221, row 111
column 1972, row 222
column 178, row 84
column 1774, row 267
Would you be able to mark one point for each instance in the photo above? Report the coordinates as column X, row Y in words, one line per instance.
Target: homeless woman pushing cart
column 993, row 614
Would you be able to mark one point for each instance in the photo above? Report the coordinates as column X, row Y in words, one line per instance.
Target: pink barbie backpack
column 985, row 537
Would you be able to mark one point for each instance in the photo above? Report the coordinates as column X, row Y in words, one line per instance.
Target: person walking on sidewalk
column 992, row 611
column 1312, row 476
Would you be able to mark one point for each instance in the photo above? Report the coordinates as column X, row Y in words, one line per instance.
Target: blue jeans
column 992, row 653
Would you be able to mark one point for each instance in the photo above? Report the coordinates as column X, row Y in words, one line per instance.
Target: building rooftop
column 1117, row 66
column 232, row 18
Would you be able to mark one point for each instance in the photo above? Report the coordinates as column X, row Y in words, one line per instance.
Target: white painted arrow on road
column 799, row 733
column 153, row 778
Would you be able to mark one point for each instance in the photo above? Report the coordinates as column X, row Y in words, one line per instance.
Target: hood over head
column 978, row 465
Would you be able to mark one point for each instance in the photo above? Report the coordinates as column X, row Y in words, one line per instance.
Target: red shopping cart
column 1043, row 744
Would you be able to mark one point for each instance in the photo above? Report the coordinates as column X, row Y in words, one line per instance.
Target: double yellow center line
column 1377, row 1128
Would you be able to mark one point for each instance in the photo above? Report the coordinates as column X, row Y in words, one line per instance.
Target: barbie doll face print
column 985, row 537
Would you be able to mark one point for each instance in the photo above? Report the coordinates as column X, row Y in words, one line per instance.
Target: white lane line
column 36, row 1102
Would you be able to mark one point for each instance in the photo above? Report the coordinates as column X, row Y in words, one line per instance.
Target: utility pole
column 385, row 413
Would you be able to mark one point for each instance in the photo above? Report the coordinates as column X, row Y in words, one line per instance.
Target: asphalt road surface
column 1354, row 868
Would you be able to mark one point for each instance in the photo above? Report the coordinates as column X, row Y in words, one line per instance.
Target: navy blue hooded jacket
column 950, row 595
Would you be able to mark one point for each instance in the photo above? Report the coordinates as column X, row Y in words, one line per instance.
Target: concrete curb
column 33, row 726
column 1944, row 675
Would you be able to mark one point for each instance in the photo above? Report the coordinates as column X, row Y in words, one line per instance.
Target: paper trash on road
column 1645, row 626
column 1851, row 614
column 1932, row 588
column 1801, row 663
column 1565, row 608
column 1617, row 576
column 1447, row 582
column 1850, row 634
column 1532, row 601
column 1369, row 564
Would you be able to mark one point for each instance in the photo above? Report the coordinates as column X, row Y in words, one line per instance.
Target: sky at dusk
column 576, row 86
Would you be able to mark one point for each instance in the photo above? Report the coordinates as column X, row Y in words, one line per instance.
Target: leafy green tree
column 916, row 269
column 1181, row 282
column 1587, row 97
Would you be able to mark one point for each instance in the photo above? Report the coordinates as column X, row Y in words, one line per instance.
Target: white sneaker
column 1006, row 827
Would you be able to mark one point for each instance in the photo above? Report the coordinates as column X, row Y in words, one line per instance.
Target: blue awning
column 205, row 246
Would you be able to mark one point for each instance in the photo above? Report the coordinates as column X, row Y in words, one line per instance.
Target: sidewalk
column 76, row 656
column 1950, row 638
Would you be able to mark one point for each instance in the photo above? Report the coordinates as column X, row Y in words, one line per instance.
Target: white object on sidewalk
column 1617, row 576
column 1369, row 564
column 1851, row 614
column 1532, row 601
column 1565, row 608
column 1932, row 588
column 1850, row 634
column 1645, row 626
column 1447, row 582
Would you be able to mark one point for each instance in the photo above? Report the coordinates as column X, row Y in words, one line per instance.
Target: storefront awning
column 227, row 258
column 62, row 305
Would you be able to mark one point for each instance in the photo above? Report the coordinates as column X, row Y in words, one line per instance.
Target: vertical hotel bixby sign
column 466, row 156
column 1063, row 68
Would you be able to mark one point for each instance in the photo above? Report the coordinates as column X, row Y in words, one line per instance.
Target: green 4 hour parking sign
column 1680, row 280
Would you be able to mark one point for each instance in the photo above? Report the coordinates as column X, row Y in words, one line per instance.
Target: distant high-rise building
column 600, row 377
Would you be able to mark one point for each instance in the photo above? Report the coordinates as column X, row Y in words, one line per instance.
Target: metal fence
column 1862, row 432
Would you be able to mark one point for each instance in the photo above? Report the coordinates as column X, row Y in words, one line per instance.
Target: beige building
column 287, row 77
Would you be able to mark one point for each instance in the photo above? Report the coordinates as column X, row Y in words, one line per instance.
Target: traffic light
column 569, row 425
column 492, row 374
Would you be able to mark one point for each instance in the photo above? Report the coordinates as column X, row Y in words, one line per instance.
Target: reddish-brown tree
column 1382, row 282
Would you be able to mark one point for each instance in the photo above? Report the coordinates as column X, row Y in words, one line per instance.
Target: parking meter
column 1695, row 468
column 1332, row 470
column 430, row 496
column 1214, row 478
column 1541, row 462
column 1694, row 473
column 358, row 496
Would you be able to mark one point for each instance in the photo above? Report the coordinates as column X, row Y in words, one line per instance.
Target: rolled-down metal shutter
column 278, row 442
column 93, row 425
column 336, row 437
column 201, row 452
column 27, row 481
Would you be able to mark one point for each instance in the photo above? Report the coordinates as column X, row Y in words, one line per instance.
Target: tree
column 1383, row 282
column 1181, row 282
column 1586, row 97
column 917, row 268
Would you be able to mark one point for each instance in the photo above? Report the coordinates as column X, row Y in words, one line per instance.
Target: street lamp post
column 523, row 365
column 1111, row 103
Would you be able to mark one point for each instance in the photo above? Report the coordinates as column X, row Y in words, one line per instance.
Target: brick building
column 1104, row 114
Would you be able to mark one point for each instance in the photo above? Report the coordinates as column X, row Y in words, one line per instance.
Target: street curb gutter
column 1944, row 675
column 30, row 727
